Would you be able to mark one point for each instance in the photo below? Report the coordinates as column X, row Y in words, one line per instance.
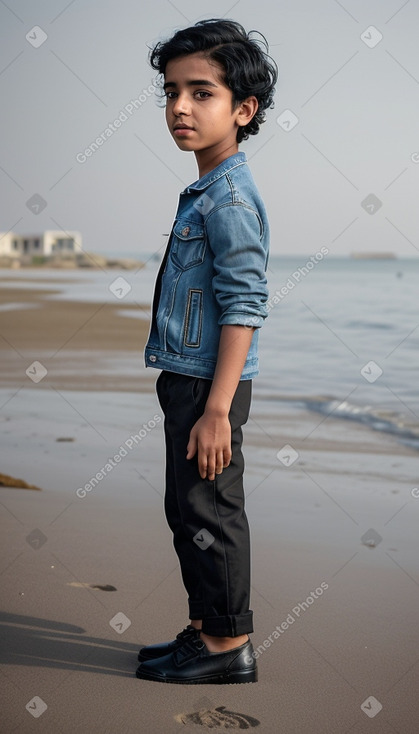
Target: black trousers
column 207, row 518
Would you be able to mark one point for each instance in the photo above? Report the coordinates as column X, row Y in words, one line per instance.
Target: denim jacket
column 212, row 273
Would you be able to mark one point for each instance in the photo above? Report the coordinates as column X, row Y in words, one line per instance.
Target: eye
column 170, row 95
column 203, row 94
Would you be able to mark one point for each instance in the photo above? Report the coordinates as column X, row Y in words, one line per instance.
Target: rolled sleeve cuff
column 241, row 318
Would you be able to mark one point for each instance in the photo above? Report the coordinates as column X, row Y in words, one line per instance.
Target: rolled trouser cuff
column 231, row 625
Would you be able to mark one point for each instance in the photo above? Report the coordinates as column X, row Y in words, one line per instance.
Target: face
column 199, row 110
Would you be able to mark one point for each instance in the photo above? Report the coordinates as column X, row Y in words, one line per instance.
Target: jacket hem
column 192, row 366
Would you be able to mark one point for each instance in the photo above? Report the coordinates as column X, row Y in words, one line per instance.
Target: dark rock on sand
column 6, row 481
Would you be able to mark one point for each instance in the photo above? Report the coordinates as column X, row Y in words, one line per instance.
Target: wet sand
column 83, row 345
column 335, row 586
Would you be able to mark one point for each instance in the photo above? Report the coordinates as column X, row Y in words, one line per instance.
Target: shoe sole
column 245, row 676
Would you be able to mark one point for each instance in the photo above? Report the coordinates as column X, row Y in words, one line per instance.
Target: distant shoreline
column 70, row 261
column 373, row 256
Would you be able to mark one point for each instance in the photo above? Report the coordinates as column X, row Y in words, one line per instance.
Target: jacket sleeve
column 236, row 238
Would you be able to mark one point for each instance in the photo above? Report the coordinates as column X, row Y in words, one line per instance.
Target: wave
column 375, row 418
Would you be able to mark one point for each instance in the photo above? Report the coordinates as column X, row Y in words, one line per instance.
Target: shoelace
column 190, row 647
column 187, row 632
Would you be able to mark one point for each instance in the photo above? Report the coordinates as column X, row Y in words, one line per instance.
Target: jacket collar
column 237, row 159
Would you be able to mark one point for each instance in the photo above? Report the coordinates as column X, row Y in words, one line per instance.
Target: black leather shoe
column 151, row 652
column 194, row 663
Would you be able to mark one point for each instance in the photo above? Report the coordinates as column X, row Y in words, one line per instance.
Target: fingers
column 203, row 468
column 213, row 462
column 192, row 446
column 226, row 457
column 206, row 464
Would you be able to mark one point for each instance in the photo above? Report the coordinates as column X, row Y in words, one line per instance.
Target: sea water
column 341, row 338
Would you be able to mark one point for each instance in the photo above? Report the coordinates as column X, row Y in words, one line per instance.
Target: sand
column 334, row 553
column 77, row 342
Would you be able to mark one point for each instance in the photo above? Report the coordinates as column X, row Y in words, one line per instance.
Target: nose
column 181, row 105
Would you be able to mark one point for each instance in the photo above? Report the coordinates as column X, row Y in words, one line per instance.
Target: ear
column 246, row 111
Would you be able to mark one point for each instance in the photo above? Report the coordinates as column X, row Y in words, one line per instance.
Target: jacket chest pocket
column 188, row 245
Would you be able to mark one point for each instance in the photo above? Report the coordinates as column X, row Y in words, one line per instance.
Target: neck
column 207, row 159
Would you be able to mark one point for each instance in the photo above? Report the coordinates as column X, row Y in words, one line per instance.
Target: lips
column 181, row 126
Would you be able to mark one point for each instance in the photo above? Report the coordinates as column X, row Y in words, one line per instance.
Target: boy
column 208, row 305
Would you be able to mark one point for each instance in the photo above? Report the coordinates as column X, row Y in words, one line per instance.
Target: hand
column 211, row 438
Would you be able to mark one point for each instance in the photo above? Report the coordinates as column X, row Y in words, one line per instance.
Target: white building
column 50, row 242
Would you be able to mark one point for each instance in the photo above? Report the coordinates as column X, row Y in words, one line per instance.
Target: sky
column 337, row 161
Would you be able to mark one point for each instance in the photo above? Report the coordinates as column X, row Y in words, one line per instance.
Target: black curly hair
column 248, row 70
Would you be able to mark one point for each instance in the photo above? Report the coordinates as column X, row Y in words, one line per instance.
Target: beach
column 88, row 570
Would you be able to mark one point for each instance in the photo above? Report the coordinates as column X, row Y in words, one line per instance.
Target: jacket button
column 185, row 231
column 152, row 358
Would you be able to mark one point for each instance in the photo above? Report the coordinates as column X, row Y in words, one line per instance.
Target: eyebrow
column 191, row 83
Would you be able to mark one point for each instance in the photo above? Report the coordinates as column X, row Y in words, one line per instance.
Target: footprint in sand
column 218, row 718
